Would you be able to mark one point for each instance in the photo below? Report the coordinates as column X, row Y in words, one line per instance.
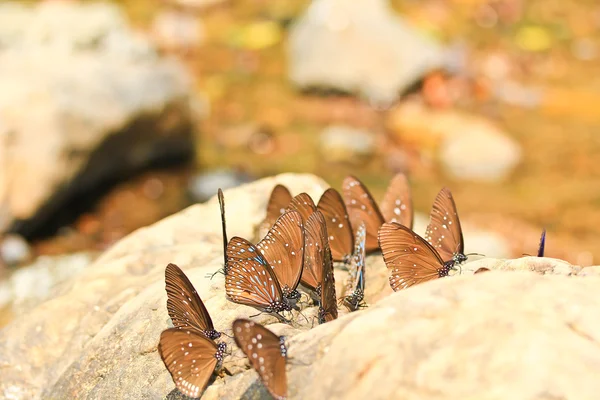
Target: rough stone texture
column 83, row 99
column 359, row 46
column 497, row 335
column 469, row 147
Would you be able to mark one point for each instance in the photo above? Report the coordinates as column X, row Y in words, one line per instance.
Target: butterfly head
column 220, row 354
column 282, row 347
column 291, row 294
column 278, row 306
column 212, row 334
column 459, row 258
column 354, row 301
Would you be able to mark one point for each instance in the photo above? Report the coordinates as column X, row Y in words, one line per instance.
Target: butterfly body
column 355, row 290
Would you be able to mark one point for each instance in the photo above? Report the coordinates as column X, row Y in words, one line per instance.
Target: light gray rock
column 84, row 98
column 341, row 143
column 359, row 46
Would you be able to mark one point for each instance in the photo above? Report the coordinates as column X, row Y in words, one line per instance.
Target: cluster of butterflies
column 301, row 243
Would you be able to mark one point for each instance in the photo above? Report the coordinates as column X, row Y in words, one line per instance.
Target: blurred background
column 116, row 114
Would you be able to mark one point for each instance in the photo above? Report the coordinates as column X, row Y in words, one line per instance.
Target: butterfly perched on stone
column 266, row 352
column 221, row 199
column 282, row 249
column 315, row 254
column 355, row 289
column 184, row 305
column 190, row 357
column 444, row 232
column 328, row 302
column 278, row 202
column 304, row 204
column 339, row 229
column 409, row 258
column 542, row 245
column 395, row 207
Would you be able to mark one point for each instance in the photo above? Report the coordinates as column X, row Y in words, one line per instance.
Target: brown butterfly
column 266, row 352
column 190, row 357
column 444, row 232
column 224, row 229
column 184, row 305
column 315, row 251
column 328, row 303
column 395, row 207
column 355, row 290
column 341, row 237
column 409, row 257
column 276, row 206
column 283, row 250
column 304, row 204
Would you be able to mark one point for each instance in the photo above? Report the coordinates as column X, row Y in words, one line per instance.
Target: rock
column 32, row 284
column 540, row 265
column 177, row 30
column 468, row 147
column 481, row 337
column 346, row 144
column 84, row 99
column 204, row 185
column 117, row 305
column 359, row 46
column 14, row 250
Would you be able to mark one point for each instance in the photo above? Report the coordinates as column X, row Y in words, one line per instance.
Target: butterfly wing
column 185, row 307
column 278, row 202
column 409, row 257
column 339, row 229
column 444, row 232
column 362, row 207
column 190, row 358
column 357, row 263
column 397, row 202
column 223, row 226
column 314, row 253
column 283, row 248
column 542, row 244
column 263, row 349
column 304, row 204
column 252, row 282
column 328, row 308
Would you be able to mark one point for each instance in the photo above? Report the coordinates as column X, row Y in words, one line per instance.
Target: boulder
column 84, row 99
column 484, row 336
column 359, row 46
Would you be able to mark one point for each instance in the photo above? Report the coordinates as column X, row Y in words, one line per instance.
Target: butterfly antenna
column 475, row 254
column 219, row 271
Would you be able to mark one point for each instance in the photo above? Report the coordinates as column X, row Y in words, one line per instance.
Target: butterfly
column 315, row 250
column 224, row 229
column 341, row 237
column 266, row 352
column 356, row 288
column 184, row 305
column 542, row 244
column 444, row 232
column 282, row 249
column 409, row 257
column 304, row 204
column 395, row 207
column 190, row 357
column 276, row 206
column 327, row 304
column 251, row 281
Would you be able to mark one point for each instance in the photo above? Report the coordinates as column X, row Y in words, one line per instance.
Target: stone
column 480, row 337
column 204, row 185
column 29, row 285
column 14, row 250
column 468, row 147
column 84, row 99
column 177, row 30
column 359, row 46
column 340, row 143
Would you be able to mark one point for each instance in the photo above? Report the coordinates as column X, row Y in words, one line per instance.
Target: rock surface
column 468, row 147
column 359, row 46
column 482, row 337
column 83, row 99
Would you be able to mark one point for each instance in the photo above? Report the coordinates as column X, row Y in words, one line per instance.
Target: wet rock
column 84, row 99
column 346, row 144
column 204, row 185
column 468, row 146
column 14, row 250
column 359, row 46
